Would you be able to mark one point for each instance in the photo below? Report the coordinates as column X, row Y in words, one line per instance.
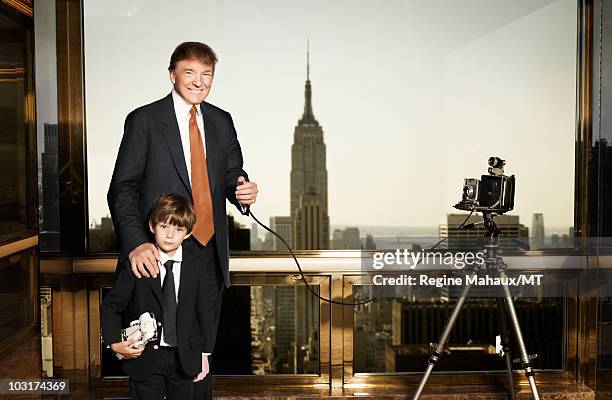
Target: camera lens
column 468, row 191
column 496, row 162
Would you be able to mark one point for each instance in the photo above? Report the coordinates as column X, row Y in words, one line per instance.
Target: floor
column 21, row 363
column 547, row 392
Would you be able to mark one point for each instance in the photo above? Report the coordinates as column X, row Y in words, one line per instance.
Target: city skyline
column 397, row 138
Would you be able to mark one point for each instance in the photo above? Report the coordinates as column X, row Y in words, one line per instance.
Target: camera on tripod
column 493, row 193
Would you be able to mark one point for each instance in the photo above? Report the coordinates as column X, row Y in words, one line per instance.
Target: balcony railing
column 281, row 334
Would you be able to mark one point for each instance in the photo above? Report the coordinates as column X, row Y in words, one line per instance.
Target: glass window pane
column 17, row 293
column 395, row 333
column 13, row 127
column 604, row 359
column 389, row 109
column 46, row 125
column 263, row 330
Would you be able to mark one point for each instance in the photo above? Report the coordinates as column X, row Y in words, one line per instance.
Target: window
column 16, row 116
column 369, row 131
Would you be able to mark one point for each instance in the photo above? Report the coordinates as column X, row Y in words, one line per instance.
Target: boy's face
column 168, row 237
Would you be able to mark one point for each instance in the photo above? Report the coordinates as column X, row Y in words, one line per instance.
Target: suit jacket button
column 159, row 324
column 156, row 347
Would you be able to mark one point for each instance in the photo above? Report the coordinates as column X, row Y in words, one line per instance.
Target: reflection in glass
column 271, row 329
column 395, row 333
column 604, row 359
column 46, row 125
column 263, row 330
column 285, row 330
column 46, row 331
column 13, row 127
column 17, row 297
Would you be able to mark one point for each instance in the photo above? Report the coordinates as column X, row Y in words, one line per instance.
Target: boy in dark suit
column 178, row 357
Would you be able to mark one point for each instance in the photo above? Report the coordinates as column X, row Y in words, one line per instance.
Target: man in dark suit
column 167, row 365
column 184, row 145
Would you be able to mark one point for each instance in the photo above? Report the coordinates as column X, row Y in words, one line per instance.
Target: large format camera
column 493, row 193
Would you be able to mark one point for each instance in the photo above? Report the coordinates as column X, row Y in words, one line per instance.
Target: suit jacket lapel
column 173, row 139
column 187, row 279
column 212, row 146
column 155, row 284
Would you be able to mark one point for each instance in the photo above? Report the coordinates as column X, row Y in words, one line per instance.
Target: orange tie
column 200, row 188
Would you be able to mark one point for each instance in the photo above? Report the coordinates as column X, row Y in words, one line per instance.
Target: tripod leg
column 436, row 353
column 526, row 362
column 505, row 340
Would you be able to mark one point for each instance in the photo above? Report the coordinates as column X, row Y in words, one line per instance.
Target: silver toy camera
column 141, row 331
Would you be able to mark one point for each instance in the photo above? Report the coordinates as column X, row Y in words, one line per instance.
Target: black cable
column 465, row 220
column 469, row 226
column 249, row 212
column 446, row 238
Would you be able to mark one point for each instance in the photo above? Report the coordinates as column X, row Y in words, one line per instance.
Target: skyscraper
column 309, row 179
column 347, row 238
column 310, row 223
column 537, row 227
column 49, row 236
column 239, row 236
column 513, row 235
column 285, row 329
column 255, row 240
column 282, row 226
column 102, row 236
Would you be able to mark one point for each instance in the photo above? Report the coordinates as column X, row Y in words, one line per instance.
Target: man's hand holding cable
column 246, row 192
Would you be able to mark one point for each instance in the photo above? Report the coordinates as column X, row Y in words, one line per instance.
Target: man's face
column 168, row 237
column 192, row 80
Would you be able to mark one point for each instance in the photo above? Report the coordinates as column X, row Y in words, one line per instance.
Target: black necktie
column 169, row 305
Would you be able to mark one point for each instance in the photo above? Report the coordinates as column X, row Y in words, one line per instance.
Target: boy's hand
column 125, row 350
column 204, row 372
column 143, row 260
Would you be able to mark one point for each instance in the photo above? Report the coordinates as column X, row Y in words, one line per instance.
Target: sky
column 412, row 96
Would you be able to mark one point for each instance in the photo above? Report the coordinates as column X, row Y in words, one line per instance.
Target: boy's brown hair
column 174, row 209
column 189, row 50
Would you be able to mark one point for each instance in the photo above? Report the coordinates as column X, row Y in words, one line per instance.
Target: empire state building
column 310, row 220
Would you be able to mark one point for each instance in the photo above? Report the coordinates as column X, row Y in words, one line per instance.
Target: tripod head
column 492, row 229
